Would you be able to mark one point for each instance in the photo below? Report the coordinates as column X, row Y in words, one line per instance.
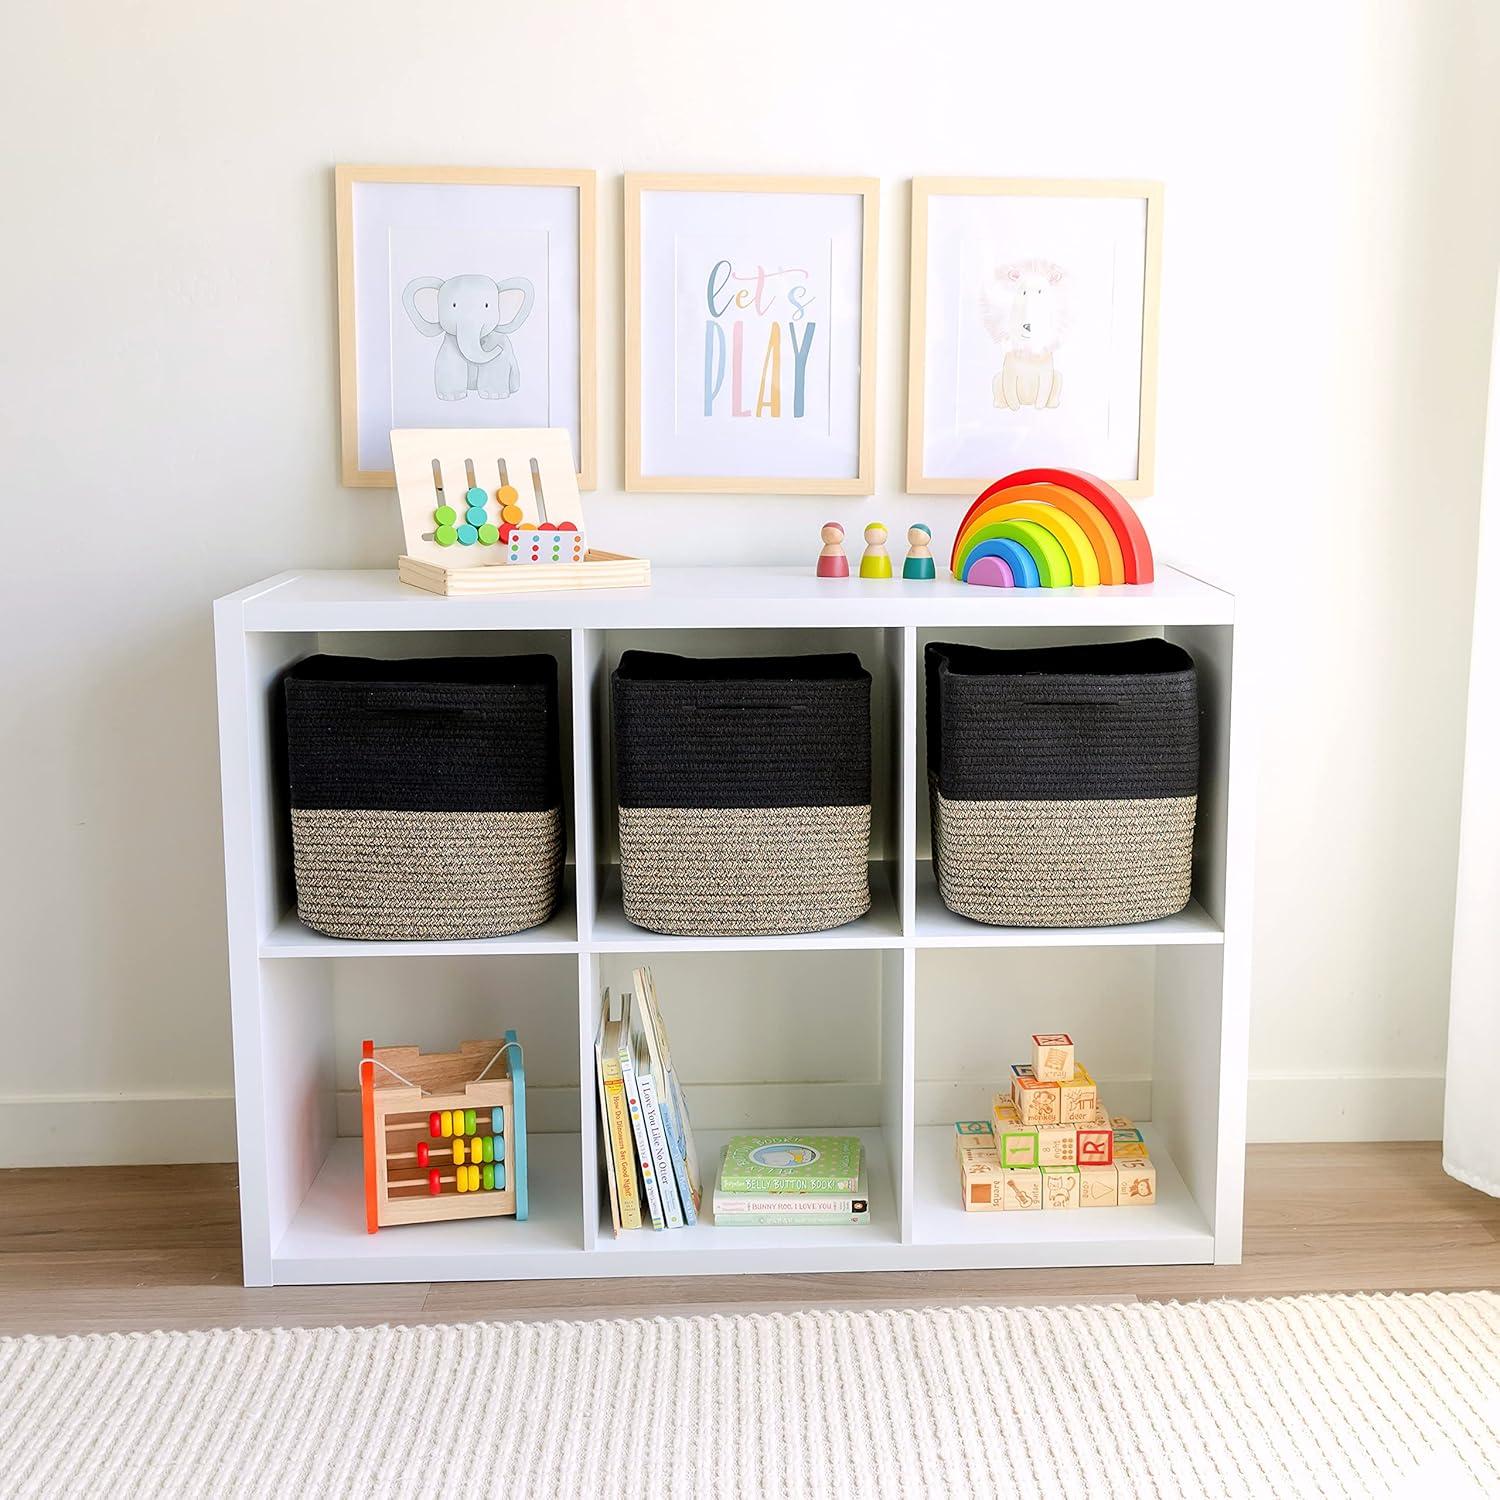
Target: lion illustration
column 1025, row 311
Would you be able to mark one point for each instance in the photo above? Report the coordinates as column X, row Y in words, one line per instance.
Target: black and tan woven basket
column 744, row 792
column 1063, row 781
column 426, row 795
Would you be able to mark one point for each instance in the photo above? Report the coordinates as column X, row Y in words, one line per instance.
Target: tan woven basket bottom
column 426, row 875
column 1064, row 864
column 738, row 871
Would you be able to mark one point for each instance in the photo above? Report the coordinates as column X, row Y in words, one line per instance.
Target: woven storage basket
column 426, row 795
column 1064, row 781
column 744, row 792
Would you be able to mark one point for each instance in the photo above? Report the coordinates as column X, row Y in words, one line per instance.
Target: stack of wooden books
column 792, row 1179
column 1050, row 1143
column 650, row 1162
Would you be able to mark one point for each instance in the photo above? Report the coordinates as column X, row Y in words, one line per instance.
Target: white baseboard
column 73, row 1130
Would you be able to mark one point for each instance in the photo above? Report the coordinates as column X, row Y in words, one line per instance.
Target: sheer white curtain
column 1471, row 1122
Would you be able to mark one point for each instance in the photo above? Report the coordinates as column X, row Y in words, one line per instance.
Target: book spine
column 638, row 1129
column 660, row 1156
column 734, row 1182
column 733, row 1221
column 677, row 1148
column 624, row 1156
column 796, row 1206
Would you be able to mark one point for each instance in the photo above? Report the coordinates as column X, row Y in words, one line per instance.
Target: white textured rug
column 1347, row 1396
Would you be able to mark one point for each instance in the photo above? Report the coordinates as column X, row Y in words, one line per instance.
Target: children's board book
column 669, row 1096
column 792, row 1208
column 637, row 1115
column 614, row 1120
column 656, row 1148
column 791, row 1164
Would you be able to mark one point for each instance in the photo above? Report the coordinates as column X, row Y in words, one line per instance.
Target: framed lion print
column 1033, row 331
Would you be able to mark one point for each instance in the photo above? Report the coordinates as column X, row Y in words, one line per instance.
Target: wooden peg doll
column 919, row 563
column 876, row 563
column 832, row 561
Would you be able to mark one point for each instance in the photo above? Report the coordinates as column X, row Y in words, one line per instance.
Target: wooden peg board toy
column 496, row 510
column 444, row 1132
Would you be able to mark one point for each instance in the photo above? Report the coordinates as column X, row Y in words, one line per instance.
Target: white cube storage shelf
column 300, row 1001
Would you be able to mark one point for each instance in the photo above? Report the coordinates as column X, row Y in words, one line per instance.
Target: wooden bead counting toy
column 493, row 510
column 444, row 1132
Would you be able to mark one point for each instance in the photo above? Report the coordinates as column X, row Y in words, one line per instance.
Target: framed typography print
column 1033, row 331
column 750, row 334
column 466, row 299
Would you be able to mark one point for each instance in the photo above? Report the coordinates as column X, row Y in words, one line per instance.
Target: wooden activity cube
column 444, row 1132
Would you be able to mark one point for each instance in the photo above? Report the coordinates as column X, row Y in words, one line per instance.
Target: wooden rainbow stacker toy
column 496, row 510
column 444, row 1132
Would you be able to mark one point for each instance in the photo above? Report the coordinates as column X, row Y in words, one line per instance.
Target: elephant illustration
column 476, row 353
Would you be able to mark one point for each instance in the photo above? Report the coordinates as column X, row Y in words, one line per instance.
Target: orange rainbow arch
column 1051, row 528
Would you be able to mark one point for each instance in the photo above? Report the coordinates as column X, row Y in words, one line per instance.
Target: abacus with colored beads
column 481, row 508
column 444, row 1132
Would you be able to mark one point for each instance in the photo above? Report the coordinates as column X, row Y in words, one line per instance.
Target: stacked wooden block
column 1051, row 1144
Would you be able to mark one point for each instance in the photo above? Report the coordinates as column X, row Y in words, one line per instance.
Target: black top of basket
column 1103, row 659
column 764, row 731
column 662, row 666
column 469, row 669
column 448, row 734
column 1062, row 723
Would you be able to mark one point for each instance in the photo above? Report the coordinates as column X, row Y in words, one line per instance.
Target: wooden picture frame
column 360, row 471
column 920, row 422
column 860, row 432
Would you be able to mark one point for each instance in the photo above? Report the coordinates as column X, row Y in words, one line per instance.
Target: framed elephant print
column 750, row 334
column 1033, row 331
column 466, row 299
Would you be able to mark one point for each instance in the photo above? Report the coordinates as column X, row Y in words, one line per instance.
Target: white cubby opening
column 890, row 1027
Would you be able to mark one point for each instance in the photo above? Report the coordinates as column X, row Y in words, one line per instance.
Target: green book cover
column 791, row 1164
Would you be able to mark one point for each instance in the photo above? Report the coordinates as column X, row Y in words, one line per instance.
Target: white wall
column 168, row 403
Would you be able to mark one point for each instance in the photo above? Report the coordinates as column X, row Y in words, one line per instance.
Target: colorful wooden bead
column 511, row 514
column 499, row 1177
column 476, row 497
column 499, row 1148
column 476, row 515
column 473, row 1179
column 447, row 1124
column 488, row 1148
column 488, row 1176
column 471, row 1120
column 445, row 515
column 445, row 536
column 467, row 535
column 489, row 534
column 435, row 1125
column 507, row 494
column 497, row 1119
column 459, row 1151
column 423, row 1154
column 434, row 1182
column 460, row 1180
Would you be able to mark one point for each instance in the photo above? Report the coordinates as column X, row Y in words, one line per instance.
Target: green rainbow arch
column 1078, row 530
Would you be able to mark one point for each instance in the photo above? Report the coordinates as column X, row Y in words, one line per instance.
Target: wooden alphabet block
column 1096, row 1148
column 1038, row 1102
column 1057, row 1145
column 1052, row 1057
column 1098, row 1187
column 978, row 1153
column 1137, row 1183
column 1018, row 1071
column 1004, row 1112
column 1078, row 1097
column 1017, row 1147
column 1125, row 1137
column 1021, row 1188
column 1061, row 1187
column 971, row 1133
column 1132, row 1151
column 1121, row 1122
column 981, row 1186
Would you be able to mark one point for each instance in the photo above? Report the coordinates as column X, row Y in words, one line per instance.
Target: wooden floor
column 118, row 1248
